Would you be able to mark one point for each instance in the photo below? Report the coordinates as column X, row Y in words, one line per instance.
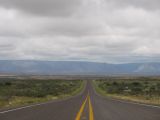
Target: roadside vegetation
column 15, row 93
column 143, row 90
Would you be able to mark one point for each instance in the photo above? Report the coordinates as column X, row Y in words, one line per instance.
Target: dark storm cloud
column 43, row 7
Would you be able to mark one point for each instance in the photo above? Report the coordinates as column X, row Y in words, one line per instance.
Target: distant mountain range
column 76, row 68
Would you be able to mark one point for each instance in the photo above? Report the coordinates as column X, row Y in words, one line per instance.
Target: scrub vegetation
column 144, row 90
column 23, row 92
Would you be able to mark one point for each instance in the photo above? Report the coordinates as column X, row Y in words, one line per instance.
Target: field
column 143, row 90
column 15, row 92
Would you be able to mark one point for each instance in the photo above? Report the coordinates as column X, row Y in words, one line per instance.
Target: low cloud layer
column 43, row 7
column 113, row 31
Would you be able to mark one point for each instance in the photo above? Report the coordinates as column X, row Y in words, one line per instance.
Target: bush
column 130, row 87
column 39, row 88
column 8, row 83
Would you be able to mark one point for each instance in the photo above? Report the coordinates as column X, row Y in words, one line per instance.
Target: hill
column 76, row 68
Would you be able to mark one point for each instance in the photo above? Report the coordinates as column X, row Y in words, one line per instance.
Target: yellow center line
column 91, row 115
column 78, row 117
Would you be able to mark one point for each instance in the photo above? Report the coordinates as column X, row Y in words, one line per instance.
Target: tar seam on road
column 91, row 115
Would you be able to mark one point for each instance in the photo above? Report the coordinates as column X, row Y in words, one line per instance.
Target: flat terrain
column 88, row 105
column 142, row 90
column 14, row 92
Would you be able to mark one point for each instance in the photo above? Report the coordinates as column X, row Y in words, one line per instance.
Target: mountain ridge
column 76, row 68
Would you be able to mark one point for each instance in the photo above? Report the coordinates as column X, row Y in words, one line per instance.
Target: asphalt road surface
column 85, row 106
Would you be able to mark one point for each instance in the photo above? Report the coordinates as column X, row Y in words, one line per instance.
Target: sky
column 111, row 31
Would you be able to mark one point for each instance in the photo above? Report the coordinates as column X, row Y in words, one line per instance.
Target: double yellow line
column 91, row 116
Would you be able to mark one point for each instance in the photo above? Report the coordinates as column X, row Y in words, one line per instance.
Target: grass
column 14, row 93
column 141, row 91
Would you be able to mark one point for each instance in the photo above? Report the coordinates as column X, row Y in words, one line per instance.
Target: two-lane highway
column 85, row 106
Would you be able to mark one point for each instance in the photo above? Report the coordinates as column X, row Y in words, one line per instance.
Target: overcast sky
column 113, row 31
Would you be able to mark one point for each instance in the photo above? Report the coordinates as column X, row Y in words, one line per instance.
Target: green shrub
column 143, row 86
column 38, row 88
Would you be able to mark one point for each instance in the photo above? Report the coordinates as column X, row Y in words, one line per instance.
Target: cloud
column 93, row 30
column 43, row 7
column 143, row 4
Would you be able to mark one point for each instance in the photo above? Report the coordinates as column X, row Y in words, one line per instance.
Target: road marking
column 140, row 104
column 24, row 107
column 39, row 104
column 91, row 117
column 78, row 117
column 128, row 102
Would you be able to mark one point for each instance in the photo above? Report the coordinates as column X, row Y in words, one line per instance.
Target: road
column 85, row 106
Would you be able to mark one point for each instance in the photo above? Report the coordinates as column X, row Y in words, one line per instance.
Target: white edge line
column 24, row 107
column 123, row 101
column 41, row 103
column 142, row 104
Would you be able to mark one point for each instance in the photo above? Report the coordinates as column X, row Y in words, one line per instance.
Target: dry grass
column 152, row 100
